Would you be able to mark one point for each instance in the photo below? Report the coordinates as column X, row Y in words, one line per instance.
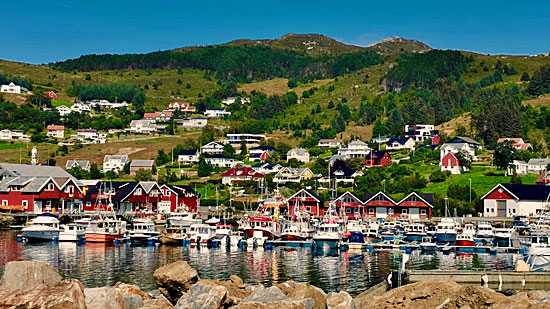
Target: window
column 348, row 210
column 25, row 204
column 88, row 204
column 390, row 211
column 138, row 192
column 371, row 210
column 4, row 202
column 404, row 211
column 422, row 211
column 308, row 208
column 69, row 190
column 50, row 187
column 168, row 193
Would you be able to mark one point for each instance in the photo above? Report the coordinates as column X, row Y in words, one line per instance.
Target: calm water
column 98, row 265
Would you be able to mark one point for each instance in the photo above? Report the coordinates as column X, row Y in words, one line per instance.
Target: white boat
column 414, row 232
column 538, row 253
column 72, row 232
column 183, row 220
column 42, row 228
column 469, row 229
column 143, row 232
column 446, row 231
column 105, row 230
column 427, row 244
column 371, row 231
column 485, row 230
column 503, row 237
column 203, row 234
column 330, row 232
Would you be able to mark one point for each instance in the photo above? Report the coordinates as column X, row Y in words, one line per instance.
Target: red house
column 350, row 205
column 308, row 201
column 414, row 206
column 436, row 140
column 378, row 158
column 51, row 95
column 175, row 198
column 450, row 163
column 241, row 174
column 142, row 197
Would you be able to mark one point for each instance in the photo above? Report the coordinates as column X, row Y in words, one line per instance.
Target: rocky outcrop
column 157, row 303
column 132, row 301
column 26, row 275
column 341, row 300
column 124, row 289
column 305, row 290
column 367, row 298
column 67, row 294
column 175, row 279
column 5, row 221
column 104, row 298
column 203, row 295
column 273, row 298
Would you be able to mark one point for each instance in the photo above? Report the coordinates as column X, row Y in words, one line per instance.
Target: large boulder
column 287, row 287
column 305, row 290
column 26, row 275
column 273, row 298
column 157, row 303
column 341, row 300
column 477, row 297
column 132, row 301
column 124, row 289
column 175, row 279
column 365, row 299
column 236, row 289
column 203, row 295
column 104, row 298
column 67, row 294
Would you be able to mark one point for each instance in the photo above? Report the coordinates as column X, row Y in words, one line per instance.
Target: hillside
column 396, row 45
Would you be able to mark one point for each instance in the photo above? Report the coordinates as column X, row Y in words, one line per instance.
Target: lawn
column 58, row 102
column 15, row 145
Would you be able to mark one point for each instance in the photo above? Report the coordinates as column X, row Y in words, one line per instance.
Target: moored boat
column 105, row 230
column 427, row 244
column 72, row 232
column 42, row 228
column 143, row 232
column 465, row 240
column 446, row 231
column 414, row 232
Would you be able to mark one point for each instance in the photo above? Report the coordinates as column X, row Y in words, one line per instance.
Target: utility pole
column 470, row 179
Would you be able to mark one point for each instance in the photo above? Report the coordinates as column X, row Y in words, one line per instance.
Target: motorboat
column 268, row 226
column 172, row 236
column 371, row 231
column 465, row 240
column 414, row 232
column 223, row 230
column 203, row 234
column 446, row 231
column 183, row 219
column 72, row 232
column 503, row 237
column 291, row 232
column 42, row 228
column 143, row 232
column 355, row 241
column 485, row 230
column 105, row 230
column 328, row 236
column 427, row 244
column 538, row 253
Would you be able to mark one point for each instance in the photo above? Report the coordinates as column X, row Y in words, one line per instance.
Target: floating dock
column 497, row 280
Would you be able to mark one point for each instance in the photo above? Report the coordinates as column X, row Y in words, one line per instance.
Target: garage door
column 501, row 208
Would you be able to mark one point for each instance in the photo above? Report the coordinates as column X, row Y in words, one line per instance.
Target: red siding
column 496, row 195
column 453, row 162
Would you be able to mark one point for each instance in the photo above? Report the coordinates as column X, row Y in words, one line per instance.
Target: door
column 501, row 208
column 380, row 212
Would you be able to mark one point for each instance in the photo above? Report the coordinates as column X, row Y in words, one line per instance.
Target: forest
column 237, row 63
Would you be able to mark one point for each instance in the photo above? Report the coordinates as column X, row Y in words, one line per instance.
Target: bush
column 439, row 176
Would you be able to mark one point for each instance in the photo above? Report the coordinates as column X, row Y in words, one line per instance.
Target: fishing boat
column 42, row 228
column 172, row 236
column 465, row 240
column 330, row 232
column 291, row 232
column 469, row 229
column 183, row 219
column 105, row 230
column 446, row 231
column 503, row 237
column 414, row 232
column 427, row 244
column 72, row 232
column 485, row 230
column 538, row 252
column 371, row 231
column 267, row 225
column 143, row 232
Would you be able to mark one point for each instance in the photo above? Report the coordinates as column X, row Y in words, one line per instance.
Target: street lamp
column 470, row 179
column 384, row 183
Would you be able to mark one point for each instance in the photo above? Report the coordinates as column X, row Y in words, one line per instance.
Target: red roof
column 242, row 172
column 55, row 127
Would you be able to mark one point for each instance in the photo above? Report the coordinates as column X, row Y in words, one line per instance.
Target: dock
column 497, row 280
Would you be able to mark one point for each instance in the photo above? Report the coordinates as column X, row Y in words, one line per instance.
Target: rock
column 521, row 266
column 67, row 294
column 157, row 303
column 124, row 288
column 104, row 298
column 287, row 287
column 273, row 297
column 175, row 279
column 237, row 281
column 26, row 275
column 203, row 296
column 132, row 301
column 477, row 297
column 367, row 298
column 340, row 300
column 305, row 290
column 236, row 290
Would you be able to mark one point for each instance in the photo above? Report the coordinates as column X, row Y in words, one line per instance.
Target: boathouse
column 308, row 201
column 508, row 200
column 414, row 206
column 177, row 197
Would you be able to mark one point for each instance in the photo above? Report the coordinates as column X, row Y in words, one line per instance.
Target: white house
column 537, row 166
column 114, row 163
column 400, row 143
column 517, row 166
column 420, row 132
column 456, row 148
column 142, row 126
column 56, row 131
column 107, row 104
column 221, row 161
column 355, row 149
column 232, row 100
column 11, row 88
column 251, row 140
column 212, row 148
column 63, row 110
column 188, row 156
column 508, row 200
column 329, row 143
column 194, row 123
column 13, row 135
column 83, row 164
column 267, row 168
column 299, row 154
column 216, row 113
column 291, row 174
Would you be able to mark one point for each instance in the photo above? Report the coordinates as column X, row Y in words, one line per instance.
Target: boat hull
column 428, row 247
column 465, row 243
column 414, row 237
column 71, row 237
column 265, row 233
column 102, row 237
column 40, row 236
column 445, row 237
column 326, row 244
column 167, row 240
column 291, row 237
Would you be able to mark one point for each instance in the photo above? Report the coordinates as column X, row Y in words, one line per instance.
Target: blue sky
column 47, row 31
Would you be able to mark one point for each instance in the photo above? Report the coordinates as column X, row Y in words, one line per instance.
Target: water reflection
column 100, row 264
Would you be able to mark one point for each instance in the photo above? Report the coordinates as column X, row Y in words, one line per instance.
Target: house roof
column 539, row 161
column 219, row 156
column 543, row 178
column 212, row 144
column 83, row 163
column 297, row 152
column 524, row 192
column 308, row 192
column 32, row 170
column 379, row 154
column 142, row 163
column 463, row 139
column 55, row 127
column 188, row 152
column 514, row 140
column 182, row 191
column 369, row 196
column 350, row 194
column 123, row 158
column 400, row 140
column 343, row 172
column 242, row 172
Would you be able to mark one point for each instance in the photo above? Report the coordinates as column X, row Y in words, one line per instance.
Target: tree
column 395, row 124
column 143, row 175
column 439, row 176
column 378, row 129
column 540, row 81
column 292, row 83
column 464, row 158
column 515, row 179
column 504, row 154
column 525, row 77
column 228, row 150
column 95, row 173
column 243, row 148
column 126, row 169
column 205, row 169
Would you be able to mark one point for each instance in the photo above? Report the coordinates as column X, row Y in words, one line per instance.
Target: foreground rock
column 305, row 290
column 26, row 275
column 104, row 298
column 273, row 298
column 67, row 294
column 341, row 300
column 175, row 279
column 125, row 289
column 203, row 295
